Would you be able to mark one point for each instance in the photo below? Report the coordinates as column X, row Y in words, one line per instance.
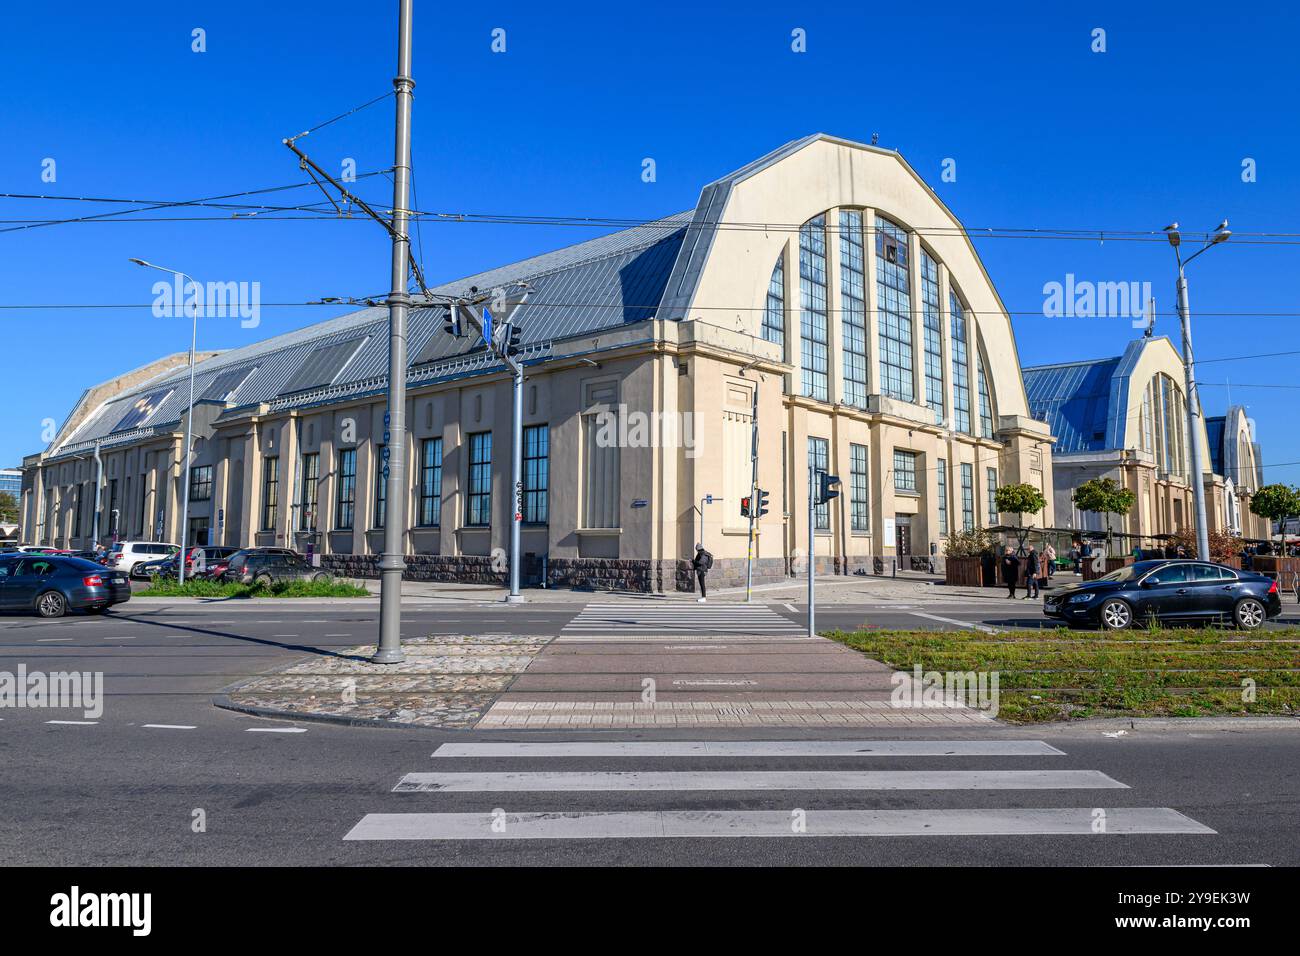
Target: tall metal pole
column 189, row 442
column 753, row 494
column 1193, row 421
column 517, row 483
column 812, row 553
column 393, row 561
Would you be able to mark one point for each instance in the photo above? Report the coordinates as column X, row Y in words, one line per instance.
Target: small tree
column 8, row 507
column 1222, row 545
column 1104, row 496
column 1019, row 500
column 1277, row 503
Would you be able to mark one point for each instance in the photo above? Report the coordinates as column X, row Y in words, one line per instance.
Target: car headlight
column 1081, row 598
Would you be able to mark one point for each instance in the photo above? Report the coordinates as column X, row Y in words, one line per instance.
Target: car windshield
column 1125, row 573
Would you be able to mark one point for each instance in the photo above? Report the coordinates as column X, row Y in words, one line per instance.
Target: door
column 902, row 534
column 28, row 578
column 1168, row 592
column 1215, row 590
column 6, row 572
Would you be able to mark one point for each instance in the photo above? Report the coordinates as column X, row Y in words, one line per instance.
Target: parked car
column 51, row 585
column 1166, row 591
column 220, row 568
column 130, row 556
column 199, row 562
column 268, row 567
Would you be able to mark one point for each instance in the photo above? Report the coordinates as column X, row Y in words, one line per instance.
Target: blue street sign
column 487, row 328
column 708, row 499
column 640, row 503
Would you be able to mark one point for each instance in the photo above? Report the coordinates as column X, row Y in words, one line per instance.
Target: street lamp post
column 1194, row 423
column 189, row 416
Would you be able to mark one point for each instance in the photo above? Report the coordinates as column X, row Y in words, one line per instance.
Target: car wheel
column 51, row 604
column 135, row 569
column 262, row 581
column 1115, row 615
column 1249, row 614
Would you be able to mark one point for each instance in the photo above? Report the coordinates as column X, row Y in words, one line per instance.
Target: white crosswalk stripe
column 632, row 621
column 541, row 815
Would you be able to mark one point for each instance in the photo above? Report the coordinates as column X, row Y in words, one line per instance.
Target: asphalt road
column 129, row 787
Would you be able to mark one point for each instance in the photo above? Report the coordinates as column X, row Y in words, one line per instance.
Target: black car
column 271, row 567
column 1167, row 590
column 237, row 560
column 52, row 584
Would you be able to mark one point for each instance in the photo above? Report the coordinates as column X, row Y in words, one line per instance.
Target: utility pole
column 812, row 554
column 753, row 495
column 393, row 561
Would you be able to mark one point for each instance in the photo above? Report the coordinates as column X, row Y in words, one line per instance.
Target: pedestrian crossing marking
column 626, row 621
column 1073, row 821
column 754, row 748
column 558, row 781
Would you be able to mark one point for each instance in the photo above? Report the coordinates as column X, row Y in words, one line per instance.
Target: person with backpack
column 702, row 562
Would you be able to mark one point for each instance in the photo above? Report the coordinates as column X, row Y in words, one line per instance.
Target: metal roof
column 1074, row 400
column 602, row 283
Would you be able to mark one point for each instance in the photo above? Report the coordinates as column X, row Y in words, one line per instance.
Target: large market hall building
column 824, row 286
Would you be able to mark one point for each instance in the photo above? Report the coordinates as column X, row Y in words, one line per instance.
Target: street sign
column 640, row 503
column 708, row 499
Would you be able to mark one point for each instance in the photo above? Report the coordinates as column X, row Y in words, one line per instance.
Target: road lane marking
column 952, row 620
column 753, row 748
column 791, row 608
column 275, row 730
column 768, row 823
column 47, row 640
column 124, row 637
column 172, row 726
column 75, row 723
column 552, row 781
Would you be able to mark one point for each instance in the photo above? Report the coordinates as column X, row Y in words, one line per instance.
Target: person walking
column 1049, row 559
column 702, row 562
column 1010, row 571
column 1033, row 569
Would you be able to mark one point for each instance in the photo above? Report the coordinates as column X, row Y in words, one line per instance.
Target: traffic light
column 829, row 487
column 512, row 339
column 744, row 507
column 452, row 323
column 763, row 497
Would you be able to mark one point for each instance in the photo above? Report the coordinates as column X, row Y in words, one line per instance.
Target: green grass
column 290, row 589
column 1065, row 675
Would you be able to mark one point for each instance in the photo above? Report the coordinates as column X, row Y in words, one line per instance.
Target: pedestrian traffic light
column 512, row 339
column 744, row 507
column 762, row 502
column 829, row 487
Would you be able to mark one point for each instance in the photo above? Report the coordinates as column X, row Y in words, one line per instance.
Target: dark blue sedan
column 1167, row 591
column 51, row 585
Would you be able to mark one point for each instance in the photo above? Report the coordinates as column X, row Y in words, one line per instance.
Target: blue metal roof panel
column 1075, row 401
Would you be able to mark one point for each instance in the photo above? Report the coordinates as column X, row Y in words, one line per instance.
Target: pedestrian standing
column 1010, row 571
column 702, row 562
column 1049, row 558
column 1032, row 571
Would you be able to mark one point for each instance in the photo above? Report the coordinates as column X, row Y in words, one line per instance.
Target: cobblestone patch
column 444, row 682
column 507, row 714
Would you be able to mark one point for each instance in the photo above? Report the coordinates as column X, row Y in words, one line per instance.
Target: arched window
column 853, row 308
column 986, row 401
column 774, row 313
column 812, row 308
column 933, row 332
column 894, row 312
column 960, row 368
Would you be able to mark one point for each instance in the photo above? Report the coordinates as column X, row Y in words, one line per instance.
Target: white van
column 129, row 555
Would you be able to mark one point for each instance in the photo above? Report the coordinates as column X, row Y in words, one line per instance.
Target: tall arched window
column 960, row 368
column 894, row 312
column 986, row 402
column 933, row 338
column 774, row 313
column 812, row 307
column 853, row 308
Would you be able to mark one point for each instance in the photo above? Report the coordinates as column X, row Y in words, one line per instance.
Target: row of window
column 478, row 498
column 895, row 327
column 905, row 481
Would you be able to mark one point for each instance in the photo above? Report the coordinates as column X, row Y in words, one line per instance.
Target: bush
column 202, row 587
column 968, row 544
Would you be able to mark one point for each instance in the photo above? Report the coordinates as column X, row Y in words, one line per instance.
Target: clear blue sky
column 1045, row 133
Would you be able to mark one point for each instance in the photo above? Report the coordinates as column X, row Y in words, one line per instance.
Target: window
column 76, row 512
column 894, row 312
column 942, row 475
column 112, row 506
column 812, row 307
column 600, row 453
column 933, row 333
column 201, row 483
column 270, row 492
column 478, row 504
column 431, row 483
column 967, row 496
column 960, row 370
column 346, row 498
column 904, row 470
column 381, row 487
column 819, row 460
column 986, row 406
column 1148, row 419
column 144, row 503
column 537, row 462
column 991, row 475
column 859, row 487
column 774, row 314
column 853, row 308
column 309, row 491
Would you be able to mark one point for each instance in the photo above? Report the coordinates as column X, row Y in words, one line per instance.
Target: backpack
column 703, row 560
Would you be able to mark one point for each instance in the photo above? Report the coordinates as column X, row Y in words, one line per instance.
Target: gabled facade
column 824, row 288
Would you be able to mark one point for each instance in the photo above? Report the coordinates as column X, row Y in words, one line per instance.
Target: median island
column 202, row 588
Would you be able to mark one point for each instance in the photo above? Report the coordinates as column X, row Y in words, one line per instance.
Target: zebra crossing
column 542, row 793
column 633, row 621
